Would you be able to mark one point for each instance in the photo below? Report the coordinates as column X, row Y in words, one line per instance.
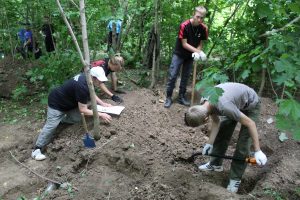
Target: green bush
column 54, row 69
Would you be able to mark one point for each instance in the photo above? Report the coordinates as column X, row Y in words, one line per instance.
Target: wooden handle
column 194, row 82
column 84, row 123
column 251, row 160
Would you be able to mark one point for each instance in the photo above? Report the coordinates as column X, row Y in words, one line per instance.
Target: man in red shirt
column 188, row 45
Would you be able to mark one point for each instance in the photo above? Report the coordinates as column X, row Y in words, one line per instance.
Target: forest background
column 252, row 42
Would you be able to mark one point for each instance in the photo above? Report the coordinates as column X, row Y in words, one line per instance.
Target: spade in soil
column 88, row 140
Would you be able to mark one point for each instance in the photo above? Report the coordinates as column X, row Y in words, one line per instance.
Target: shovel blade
column 88, row 141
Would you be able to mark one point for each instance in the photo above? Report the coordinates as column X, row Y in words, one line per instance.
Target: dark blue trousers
column 174, row 69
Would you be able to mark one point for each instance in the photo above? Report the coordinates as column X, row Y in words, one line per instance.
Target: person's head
column 98, row 75
column 196, row 116
column 116, row 63
column 199, row 15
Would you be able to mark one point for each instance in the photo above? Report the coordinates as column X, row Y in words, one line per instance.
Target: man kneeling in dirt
column 65, row 105
column 238, row 103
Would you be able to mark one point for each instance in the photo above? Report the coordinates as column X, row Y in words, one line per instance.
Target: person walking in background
column 117, row 24
column 26, row 43
column 238, row 103
column 47, row 31
column 188, row 45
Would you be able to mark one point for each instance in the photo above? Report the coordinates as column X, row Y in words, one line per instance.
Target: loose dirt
column 141, row 156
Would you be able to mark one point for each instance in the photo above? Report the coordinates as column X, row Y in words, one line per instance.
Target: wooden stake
column 194, row 82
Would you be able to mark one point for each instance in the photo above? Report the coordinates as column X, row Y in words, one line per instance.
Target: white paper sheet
column 116, row 110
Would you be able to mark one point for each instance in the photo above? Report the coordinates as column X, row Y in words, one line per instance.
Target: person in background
column 26, row 38
column 65, row 105
column 188, row 45
column 47, row 31
column 111, row 66
column 238, row 103
column 21, row 40
column 118, row 24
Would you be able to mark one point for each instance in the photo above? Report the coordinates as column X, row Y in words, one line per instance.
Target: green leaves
column 288, row 117
column 208, row 90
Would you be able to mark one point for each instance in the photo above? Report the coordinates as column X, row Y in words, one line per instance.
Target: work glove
column 117, row 99
column 207, row 149
column 199, row 56
column 260, row 157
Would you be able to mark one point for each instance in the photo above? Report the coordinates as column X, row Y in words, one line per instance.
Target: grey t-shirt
column 236, row 98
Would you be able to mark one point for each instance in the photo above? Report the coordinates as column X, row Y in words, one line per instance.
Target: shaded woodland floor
column 140, row 156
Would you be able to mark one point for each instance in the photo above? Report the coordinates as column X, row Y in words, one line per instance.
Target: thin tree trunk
column 85, row 62
column 263, row 73
column 153, row 81
column 263, row 81
column 9, row 34
column 87, row 70
column 224, row 26
column 114, row 37
column 119, row 44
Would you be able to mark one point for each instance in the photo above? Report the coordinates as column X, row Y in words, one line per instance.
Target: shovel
column 88, row 140
column 250, row 160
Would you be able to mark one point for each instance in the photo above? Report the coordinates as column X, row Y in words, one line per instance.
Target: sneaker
column 209, row 167
column 233, row 185
column 37, row 155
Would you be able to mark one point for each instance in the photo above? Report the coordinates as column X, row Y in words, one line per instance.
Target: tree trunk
column 263, row 73
column 224, row 26
column 87, row 70
column 153, row 81
column 119, row 43
column 114, row 36
column 86, row 62
column 9, row 34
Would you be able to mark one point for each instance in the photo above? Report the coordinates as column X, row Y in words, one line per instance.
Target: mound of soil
column 141, row 155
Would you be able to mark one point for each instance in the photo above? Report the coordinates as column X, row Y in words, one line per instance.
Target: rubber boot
column 168, row 102
column 182, row 100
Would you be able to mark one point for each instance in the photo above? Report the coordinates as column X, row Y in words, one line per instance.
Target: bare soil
column 141, row 155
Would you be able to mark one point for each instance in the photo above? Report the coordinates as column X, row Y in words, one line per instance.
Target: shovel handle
column 251, row 160
column 84, row 123
column 194, row 82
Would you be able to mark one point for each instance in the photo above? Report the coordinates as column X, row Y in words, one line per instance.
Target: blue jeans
column 176, row 63
column 54, row 117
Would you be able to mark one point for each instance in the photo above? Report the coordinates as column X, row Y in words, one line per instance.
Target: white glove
column 199, row 56
column 196, row 56
column 207, row 149
column 260, row 157
column 202, row 56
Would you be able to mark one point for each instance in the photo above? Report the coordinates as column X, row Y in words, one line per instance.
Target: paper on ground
column 116, row 110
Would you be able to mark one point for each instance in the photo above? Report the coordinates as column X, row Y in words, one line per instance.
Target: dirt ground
column 141, row 155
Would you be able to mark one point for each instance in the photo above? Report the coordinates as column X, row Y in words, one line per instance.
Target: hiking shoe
column 183, row 101
column 168, row 102
column 208, row 167
column 37, row 155
column 233, row 185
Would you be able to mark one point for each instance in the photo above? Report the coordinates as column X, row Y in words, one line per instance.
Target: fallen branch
column 41, row 176
column 280, row 29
